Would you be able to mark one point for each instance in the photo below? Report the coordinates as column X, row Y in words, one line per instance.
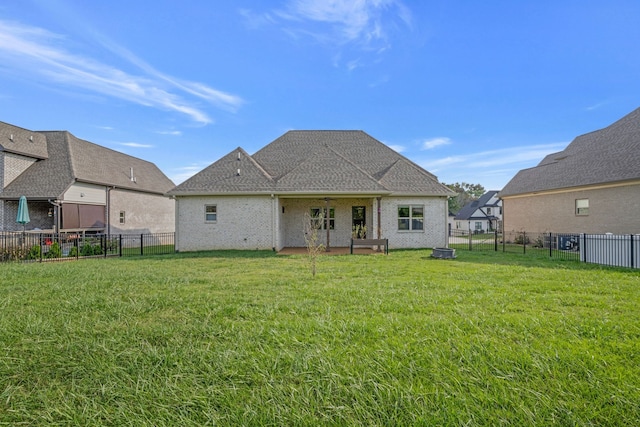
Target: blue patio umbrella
column 23, row 212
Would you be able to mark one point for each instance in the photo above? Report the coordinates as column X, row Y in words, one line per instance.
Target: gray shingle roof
column 72, row 159
column 14, row 139
column 309, row 162
column 608, row 155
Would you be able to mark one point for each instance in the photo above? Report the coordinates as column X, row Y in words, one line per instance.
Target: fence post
column 120, row 244
column 550, row 246
column 470, row 240
column 631, row 251
column 583, row 245
column 142, row 244
column 524, row 242
column 495, row 240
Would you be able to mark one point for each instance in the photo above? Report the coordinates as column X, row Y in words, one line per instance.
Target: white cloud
column 429, row 144
column 40, row 53
column 135, row 145
column 494, row 158
column 180, row 175
column 365, row 25
column 169, row 132
column 492, row 168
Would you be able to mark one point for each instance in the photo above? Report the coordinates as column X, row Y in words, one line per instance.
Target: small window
column 488, row 211
column 210, row 213
column 582, row 206
column 316, row 212
column 411, row 218
column 479, row 225
column 122, row 216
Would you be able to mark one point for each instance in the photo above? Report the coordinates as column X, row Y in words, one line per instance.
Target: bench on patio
column 371, row 242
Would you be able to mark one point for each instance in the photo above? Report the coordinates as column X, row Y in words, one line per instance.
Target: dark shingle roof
column 310, row 162
column 470, row 208
column 608, row 155
column 72, row 159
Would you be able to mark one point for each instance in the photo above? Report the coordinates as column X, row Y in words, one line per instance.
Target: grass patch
column 250, row 338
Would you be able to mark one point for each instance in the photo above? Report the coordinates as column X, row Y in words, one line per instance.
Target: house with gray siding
column 74, row 185
column 480, row 216
column 592, row 186
column 259, row 201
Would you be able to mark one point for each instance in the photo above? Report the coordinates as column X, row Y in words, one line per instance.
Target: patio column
column 326, row 223
column 379, row 227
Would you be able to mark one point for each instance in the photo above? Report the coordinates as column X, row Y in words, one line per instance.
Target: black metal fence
column 605, row 249
column 30, row 246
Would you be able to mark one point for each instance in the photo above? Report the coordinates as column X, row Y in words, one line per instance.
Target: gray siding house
column 259, row 201
column 592, row 186
column 74, row 185
column 480, row 216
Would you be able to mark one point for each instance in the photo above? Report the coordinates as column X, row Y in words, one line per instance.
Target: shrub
column 73, row 252
column 34, row 252
column 90, row 250
column 54, row 251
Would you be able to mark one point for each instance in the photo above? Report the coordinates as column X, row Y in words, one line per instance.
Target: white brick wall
column 258, row 222
column 242, row 223
column 435, row 223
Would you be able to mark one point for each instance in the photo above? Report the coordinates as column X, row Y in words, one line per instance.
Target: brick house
column 74, row 185
column 259, row 201
column 592, row 186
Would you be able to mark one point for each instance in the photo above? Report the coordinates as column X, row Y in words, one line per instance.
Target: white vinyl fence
column 611, row 249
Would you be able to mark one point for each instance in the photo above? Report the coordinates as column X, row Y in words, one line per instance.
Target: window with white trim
column 210, row 213
column 582, row 207
column 321, row 213
column 122, row 217
column 410, row 217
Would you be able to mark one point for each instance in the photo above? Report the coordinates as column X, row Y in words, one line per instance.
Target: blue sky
column 472, row 91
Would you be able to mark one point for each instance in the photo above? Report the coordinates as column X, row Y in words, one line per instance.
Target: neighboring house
column 73, row 185
column 480, row 216
column 593, row 186
column 260, row 201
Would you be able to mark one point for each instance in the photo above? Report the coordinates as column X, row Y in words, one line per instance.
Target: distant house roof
column 315, row 162
column 71, row 159
column 608, row 155
column 467, row 211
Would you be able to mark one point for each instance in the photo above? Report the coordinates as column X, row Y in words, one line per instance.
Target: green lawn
column 250, row 338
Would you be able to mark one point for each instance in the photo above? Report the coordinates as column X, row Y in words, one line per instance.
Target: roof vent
column 238, row 173
column 238, row 156
column 131, row 175
column 11, row 137
column 31, row 138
